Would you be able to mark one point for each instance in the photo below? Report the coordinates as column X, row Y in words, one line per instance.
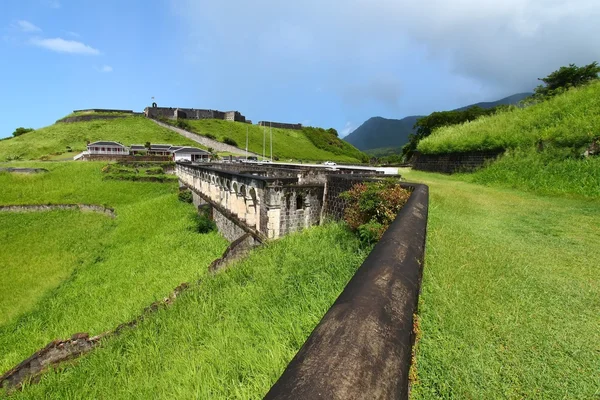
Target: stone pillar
column 273, row 205
column 250, row 212
column 307, row 211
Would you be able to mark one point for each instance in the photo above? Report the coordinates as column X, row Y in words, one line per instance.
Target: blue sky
column 323, row 63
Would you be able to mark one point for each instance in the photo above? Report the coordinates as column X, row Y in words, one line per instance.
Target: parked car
column 331, row 163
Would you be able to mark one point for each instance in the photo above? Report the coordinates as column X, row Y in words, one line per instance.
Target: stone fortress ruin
column 156, row 112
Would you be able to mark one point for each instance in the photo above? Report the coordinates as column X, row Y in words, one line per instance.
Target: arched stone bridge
column 268, row 201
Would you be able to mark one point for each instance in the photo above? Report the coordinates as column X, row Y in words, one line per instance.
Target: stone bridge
column 267, row 201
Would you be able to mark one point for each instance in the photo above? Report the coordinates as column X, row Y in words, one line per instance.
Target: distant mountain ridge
column 378, row 132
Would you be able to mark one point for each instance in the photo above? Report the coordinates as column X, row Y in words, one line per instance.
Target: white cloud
column 71, row 33
column 27, row 26
column 60, row 45
column 502, row 44
column 106, row 68
column 52, row 3
column 347, row 129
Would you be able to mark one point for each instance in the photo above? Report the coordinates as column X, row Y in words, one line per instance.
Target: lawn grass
column 140, row 256
column 228, row 338
column 570, row 120
column 287, row 143
column 54, row 139
column 55, row 243
column 510, row 296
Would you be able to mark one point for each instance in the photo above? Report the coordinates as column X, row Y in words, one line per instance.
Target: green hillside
column 305, row 144
column 66, row 271
column 229, row 337
column 570, row 120
column 55, row 138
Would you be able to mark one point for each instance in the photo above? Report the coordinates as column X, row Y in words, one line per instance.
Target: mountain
column 378, row 132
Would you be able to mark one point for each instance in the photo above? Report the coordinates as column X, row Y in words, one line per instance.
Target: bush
column 372, row 206
column 209, row 135
column 183, row 124
column 230, row 141
column 21, row 131
column 185, row 196
column 154, row 171
column 203, row 224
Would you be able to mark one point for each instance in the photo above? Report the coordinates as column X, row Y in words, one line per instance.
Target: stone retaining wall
column 24, row 170
column 90, row 117
column 449, row 163
column 362, row 347
column 49, row 207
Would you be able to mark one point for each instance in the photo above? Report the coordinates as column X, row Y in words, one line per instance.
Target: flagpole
column 271, row 134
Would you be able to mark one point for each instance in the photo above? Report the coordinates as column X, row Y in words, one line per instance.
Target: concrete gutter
column 361, row 349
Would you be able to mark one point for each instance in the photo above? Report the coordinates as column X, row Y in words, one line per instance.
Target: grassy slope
column 546, row 173
column 57, row 137
column 56, row 243
column 569, row 120
column 511, row 294
column 231, row 337
column 144, row 253
column 287, row 143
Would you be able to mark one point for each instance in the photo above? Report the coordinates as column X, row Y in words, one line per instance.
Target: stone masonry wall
column 282, row 125
column 226, row 227
column 294, row 218
column 450, row 163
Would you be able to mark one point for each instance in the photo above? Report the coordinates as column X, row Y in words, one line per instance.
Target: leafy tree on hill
column 565, row 78
column 20, row 131
column 426, row 125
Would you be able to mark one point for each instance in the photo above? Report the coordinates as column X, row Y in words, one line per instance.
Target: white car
column 329, row 163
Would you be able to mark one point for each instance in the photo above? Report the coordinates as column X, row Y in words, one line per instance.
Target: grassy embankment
column 229, row 337
column 570, row 120
column 306, row 144
column 53, row 140
column 563, row 126
column 86, row 272
column 511, row 294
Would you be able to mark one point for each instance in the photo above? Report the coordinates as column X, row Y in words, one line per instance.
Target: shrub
column 21, row 131
column 69, row 149
column 209, row 135
column 183, row 124
column 154, row 171
column 203, row 224
column 372, row 206
column 185, row 196
column 230, row 141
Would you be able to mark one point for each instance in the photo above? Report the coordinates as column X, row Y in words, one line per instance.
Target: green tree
column 333, row 132
column 20, row 131
column 565, row 78
column 147, row 145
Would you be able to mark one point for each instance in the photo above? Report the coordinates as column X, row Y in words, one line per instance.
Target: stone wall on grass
column 362, row 348
column 449, row 163
column 109, row 212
